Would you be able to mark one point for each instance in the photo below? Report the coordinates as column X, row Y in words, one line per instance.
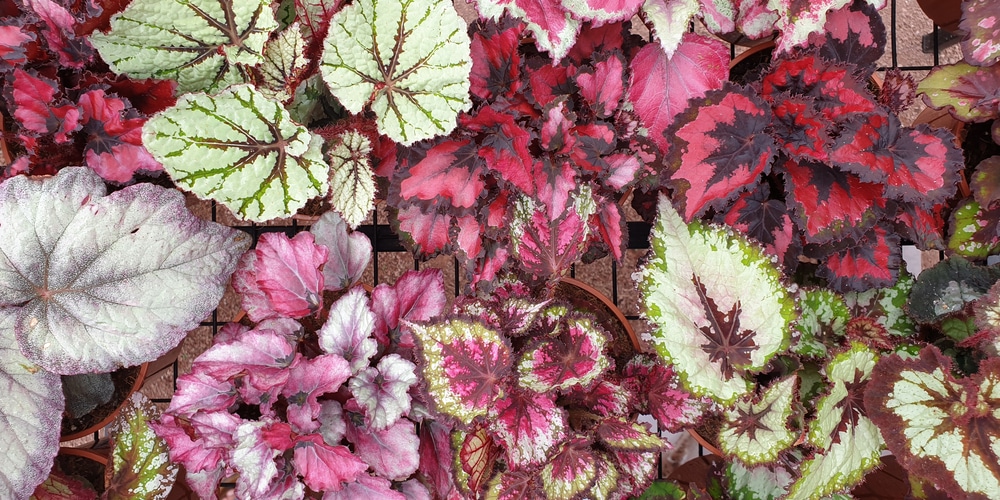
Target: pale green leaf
column 240, row 149
column 886, row 305
column 669, row 20
column 823, row 321
column 352, row 182
column 140, row 464
column 284, row 63
column 756, row 483
column 409, row 61
column 199, row 43
column 756, row 430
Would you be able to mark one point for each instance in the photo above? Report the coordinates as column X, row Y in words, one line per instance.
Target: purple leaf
column 325, row 467
column 365, row 486
column 307, row 381
column 391, row 453
column 437, row 457
column 261, row 357
column 288, row 272
column 349, row 251
column 197, row 391
column 348, row 330
column 981, row 20
column 384, row 391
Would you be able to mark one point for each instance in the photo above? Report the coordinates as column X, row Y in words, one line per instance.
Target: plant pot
column 705, row 433
column 624, row 342
column 163, row 362
column 945, row 13
column 127, row 380
column 89, row 463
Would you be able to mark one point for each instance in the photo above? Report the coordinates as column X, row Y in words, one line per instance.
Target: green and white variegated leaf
column 240, row 149
column 824, row 318
column 410, row 61
column 849, row 442
column 312, row 102
column 283, row 64
column 670, row 20
column 756, row 483
column 757, row 430
column 199, row 43
column 886, row 305
column 140, row 463
column 352, row 182
column 718, row 303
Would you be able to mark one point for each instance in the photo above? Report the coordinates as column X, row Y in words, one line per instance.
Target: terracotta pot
column 705, row 434
column 163, row 362
column 127, row 380
column 85, row 461
column 945, row 13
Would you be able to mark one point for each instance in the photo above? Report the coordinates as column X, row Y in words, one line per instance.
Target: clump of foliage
column 540, row 407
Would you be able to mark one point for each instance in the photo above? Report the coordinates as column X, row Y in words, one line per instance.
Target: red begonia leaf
column 925, row 228
column 981, row 22
column 262, row 358
column 469, row 239
column 665, row 397
column 73, row 52
column 391, row 453
column 546, row 83
column 463, row 363
column 575, row 358
column 366, row 486
column 602, row 11
column 592, row 142
column 898, row 91
column 114, row 143
column 476, row 454
column 307, row 381
column 830, row 204
column 383, row 391
column 918, row 165
column 594, row 38
column 872, row 262
column 853, row 34
column 36, row 109
column 13, row 40
column 348, row 330
column 837, row 93
column 504, row 146
column 63, row 486
column 557, row 120
column 528, row 426
column 416, row 296
column 496, row 63
column 606, row 398
column 437, row 458
column 426, row 232
column 799, row 129
column 603, row 85
column 720, row 147
column 325, row 467
column 660, row 87
column 610, row 224
column 349, row 251
column 553, row 28
column 769, row 222
column 288, row 272
column 546, row 245
column 450, row 174
column 553, row 184
column 196, row 391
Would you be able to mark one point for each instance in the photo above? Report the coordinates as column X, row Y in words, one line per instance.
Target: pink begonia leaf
column 416, row 296
column 469, row 240
column 546, row 246
column 450, row 173
column 35, row 106
column 574, row 358
column 427, row 232
column 603, row 86
column 606, row 398
column 659, row 87
column 606, row 38
column 572, row 471
column 253, row 458
column 556, row 125
column 601, row 11
column 637, row 470
column 527, row 426
column 114, row 138
column 504, row 146
column 332, row 425
column 60, row 33
column 13, row 41
column 231, row 331
column 197, row 391
column 496, row 63
column 798, row 20
column 510, row 309
column 349, row 251
column 553, row 28
column 383, row 391
column 621, row 170
column 665, row 397
column 365, row 486
column 62, row 486
column 391, row 453
column 618, row 433
column 205, row 483
column 719, row 16
column 437, row 458
column 202, row 453
column 253, row 300
column 261, row 357
column 413, row 489
column 288, row 271
column 981, row 20
column 325, row 467
column 548, row 83
column 278, row 435
column 553, row 184
column 611, row 226
column 592, row 142
column 853, row 34
column 307, row 381
column 348, row 330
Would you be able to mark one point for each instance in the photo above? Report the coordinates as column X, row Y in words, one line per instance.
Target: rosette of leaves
column 540, row 410
column 63, row 106
column 315, row 392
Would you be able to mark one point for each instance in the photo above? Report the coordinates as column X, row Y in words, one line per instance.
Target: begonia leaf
column 514, row 485
column 660, row 86
column 13, row 42
column 366, row 486
column 572, row 471
column 462, row 362
column 416, row 296
column 973, row 231
column 253, row 300
column 29, row 415
column 979, row 22
column 547, row 240
column 427, row 233
column 967, row 91
column 797, row 20
column 719, row 16
column 944, row 428
column 199, row 43
column 283, row 64
column 871, row 261
column 198, row 391
column 309, row 379
column 548, row 83
column 391, row 453
column 114, row 144
column 262, row 357
column 720, row 147
column 476, row 454
column 666, row 400
column 757, row 428
column 899, row 90
column 415, row 80
column 352, row 182
column 767, row 220
column 62, row 486
column 924, row 227
column 849, row 442
column 496, row 63
column 200, row 444
column 60, row 32
column 35, row 106
column 554, row 28
column 669, row 20
column 800, row 129
column 288, row 272
column 853, row 34
column 241, row 149
column 348, row 330
column 918, row 165
column 332, row 424
column 717, row 301
column 140, row 465
column 314, row 17
column 576, row 357
column 620, row 434
column 822, row 322
column 985, row 181
column 253, row 458
column 835, row 90
column 101, row 281
column 349, row 253
column 528, row 426
column 948, row 287
column 603, row 86
column 760, row 482
column 451, row 173
column 324, row 467
column 828, row 203
column 600, row 12
column 437, row 458
column 887, row 306
column 383, row 390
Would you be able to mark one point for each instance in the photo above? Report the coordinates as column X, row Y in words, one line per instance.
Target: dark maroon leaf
column 872, row 262
column 504, row 145
column 593, row 38
column 802, row 132
column 768, row 221
column 829, row 204
column 496, row 63
column 854, row 34
column 899, row 90
column 838, row 94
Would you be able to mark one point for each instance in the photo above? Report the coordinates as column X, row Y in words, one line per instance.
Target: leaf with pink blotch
column 197, row 391
column 288, row 271
column 603, row 85
column 349, row 251
column 348, row 330
column 366, row 486
column 13, row 42
column 416, row 296
column 981, row 22
column 574, row 358
column 391, row 453
column 528, row 426
column 325, row 467
column 504, row 146
column 114, row 138
column 383, row 391
column 547, row 244
column 253, row 300
column 37, row 110
column 496, row 63
column 307, row 381
column 427, row 233
column 261, row 357
column 436, row 458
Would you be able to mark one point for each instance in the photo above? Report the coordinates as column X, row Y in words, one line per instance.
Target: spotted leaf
column 576, row 357
column 798, row 20
column 572, row 471
column 528, row 426
column 981, row 22
column 757, row 429
column 973, row 231
column 241, row 149
column 718, row 303
column 822, row 323
column 967, row 91
column 140, row 466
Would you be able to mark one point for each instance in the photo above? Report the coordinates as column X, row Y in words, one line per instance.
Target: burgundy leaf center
column 727, row 343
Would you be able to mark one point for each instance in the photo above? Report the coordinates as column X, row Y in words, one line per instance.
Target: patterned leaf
column 450, row 174
column 660, row 86
column 853, row 34
column 872, row 261
column 61, row 486
column 13, row 42
column 283, row 64
column 576, row 357
column 35, row 109
column 384, row 390
column 105, row 281
column 262, row 357
column 762, row 482
column 965, row 90
column 391, row 453
column 416, row 296
column 619, row 434
column 348, row 330
column 288, row 272
column 669, row 20
column 603, row 86
column 114, row 143
column 349, row 254
column 834, row 89
column 199, row 43
column 140, row 467
column 830, row 204
column 887, row 306
column 325, row 467
column 427, row 233
column 545, row 239
column 756, row 429
column 980, row 21
column 496, row 63
column 850, row 445
column 718, row 303
column 30, row 414
column 476, row 454
column 943, row 427
column 437, row 458
column 197, row 391
column 412, row 66
column 666, row 400
column 554, row 28
column 947, row 288
column 798, row 20
column 308, row 380
column 767, row 220
column 241, row 149
column 527, row 425
column 600, row 12
column 463, row 362
column 720, row 148
column 572, row 471
column 352, row 181
column 822, row 323
column 973, row 232
column 985, row 181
